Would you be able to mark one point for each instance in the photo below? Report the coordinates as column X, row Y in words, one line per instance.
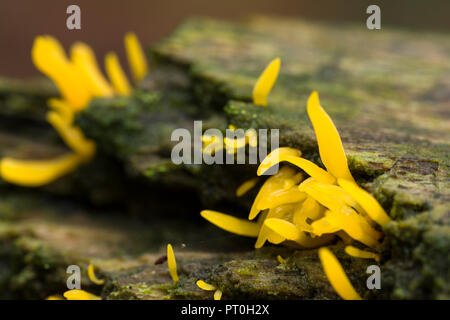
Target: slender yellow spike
column 358, row 253
column 61, row 107
column 93, row 277
column 337, row 276
column 231, row 224
column 293, row 156
column 35, row 173
column 246, row 186
column 116, row 75
column 136, row 57
column 373, row 209
column 275, row 157
column 77, row 294
column 330, row 145
column 280, row 259
column 83, row 57
column 72, row 136
column 205, row 286
column 218, row 294
column 49, row 57
column 265, row 83
column 172, row 263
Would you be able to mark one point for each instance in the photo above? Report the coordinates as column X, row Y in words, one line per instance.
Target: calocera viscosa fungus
column 78, row 80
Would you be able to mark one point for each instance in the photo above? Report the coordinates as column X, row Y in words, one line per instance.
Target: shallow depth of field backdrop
column 104, row 22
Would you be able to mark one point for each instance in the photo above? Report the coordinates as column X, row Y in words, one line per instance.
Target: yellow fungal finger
column 205, row 286
column 72, row 136
column 265, row 83
column 136, row 57
column 231, row 224
column 35, row 173
column 330, row 145
column 49, row 57
column 77, row 294
column 218, row 294
column 365, row 200
column 92, row 276
column 246, row 186
column 293, row 156
column 83, row 57
column 62, row 108
column 116, row 75
column 280, row 259
column 274, row 157
column 337, row 276
column 172, row 263
column 358, row 253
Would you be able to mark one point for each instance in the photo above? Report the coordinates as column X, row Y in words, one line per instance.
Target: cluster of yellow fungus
column 78, row 80
column 312, row 207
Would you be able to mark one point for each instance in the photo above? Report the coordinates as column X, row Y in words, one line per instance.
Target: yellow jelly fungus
column 365, row 200
column 72, row 136
column 116, row 75
column 280, row 259
column 231, row 224
column 265, row 83
column 246, row 186
column 93, row 277
column 358, row 253
column 330, row 146
column 35, row 173
column 79, row 80
column 312, row 211
column 62, row 108
column 172, row 263
column 49, row 57
column 337, row 276
column 205, row 286
column 136, row 57
column 77, row 294
column 84, row 58
column 209, row 287
column 218, row 294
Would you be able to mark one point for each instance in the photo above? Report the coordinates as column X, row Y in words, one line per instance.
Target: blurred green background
column 104, row 22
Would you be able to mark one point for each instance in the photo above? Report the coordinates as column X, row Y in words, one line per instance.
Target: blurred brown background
column 104, row 22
